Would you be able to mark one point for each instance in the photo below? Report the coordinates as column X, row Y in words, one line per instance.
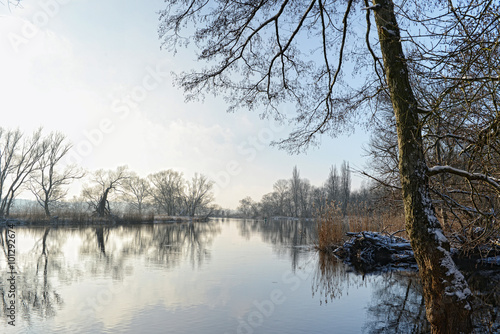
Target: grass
column 332, row 226
column 36, row 216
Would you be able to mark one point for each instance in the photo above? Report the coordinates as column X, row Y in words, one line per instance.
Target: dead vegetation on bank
column 333, row 227
column 30, row 218
column 370, row 238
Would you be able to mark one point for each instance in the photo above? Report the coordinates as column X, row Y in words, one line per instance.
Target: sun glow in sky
column 94, row 71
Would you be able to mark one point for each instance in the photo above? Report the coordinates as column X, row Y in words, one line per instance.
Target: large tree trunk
column 102, row 204
column 46, row 208
column 446, row 292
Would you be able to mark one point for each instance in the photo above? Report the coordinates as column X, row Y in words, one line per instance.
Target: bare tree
column 137, row 191
column 465, row 205
column 282, row 190
column 382, row 151
column 319, row 199
column 295, row 191
column 47, row 183
column 198, row 194
column 345, row 186
column 167, row 191
column 105, row 182
column 246, row 207
column 257, row 54
column 269, row 205
column 305, row 198
column 18, row 160
column 332, row 185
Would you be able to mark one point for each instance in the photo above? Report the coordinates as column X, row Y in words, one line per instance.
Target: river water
column 224, row 276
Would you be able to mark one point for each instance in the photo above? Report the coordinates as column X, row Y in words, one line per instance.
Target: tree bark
column 101, row 206
column 46, row 206
column 446, row 292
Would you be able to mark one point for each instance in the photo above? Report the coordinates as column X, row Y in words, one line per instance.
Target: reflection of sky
column 213, row 296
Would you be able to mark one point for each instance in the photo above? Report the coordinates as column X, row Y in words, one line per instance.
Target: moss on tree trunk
column 446, row 293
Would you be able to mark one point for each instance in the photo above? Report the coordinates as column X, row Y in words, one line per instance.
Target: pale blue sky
column 94, row 71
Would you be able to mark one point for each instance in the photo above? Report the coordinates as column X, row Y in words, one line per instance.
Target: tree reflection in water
column 164, row 245
column 397, row 304
column 106, row 249
column 332, row 278
column 35, row 294
column 287, row 237
column 485, row 284
column 167, row 244
column 112, row 252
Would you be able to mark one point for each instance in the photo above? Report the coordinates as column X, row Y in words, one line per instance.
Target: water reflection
column 397, row 303
column 287, row 237
column 331, row 278
column 160, row 277
column 102, row 250
column 485, row 284
column 35, row 294
column 160, row 244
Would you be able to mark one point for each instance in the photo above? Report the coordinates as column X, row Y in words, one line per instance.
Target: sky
column 94, row 71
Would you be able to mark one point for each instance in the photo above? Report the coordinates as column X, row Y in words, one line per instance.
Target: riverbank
column 373, row 252
column 91, row 220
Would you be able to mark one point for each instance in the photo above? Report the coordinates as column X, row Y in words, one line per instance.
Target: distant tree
column 46, row 183
column 18, row 160
column 246, row 207
column 136, row 191
column 168, row 191
column 214, row 210
column 345, row 186
column 332, row 185
column 319, row 199
column 269, row 205
column 295, row 190
column 282, row 190
column 104, row 184
column 198, row 194
column 305, row 198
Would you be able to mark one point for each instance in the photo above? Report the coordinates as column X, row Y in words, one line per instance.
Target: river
column 225, row 276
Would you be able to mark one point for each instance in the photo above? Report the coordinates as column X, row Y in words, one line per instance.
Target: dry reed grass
column 332, row 226
column 363, row 217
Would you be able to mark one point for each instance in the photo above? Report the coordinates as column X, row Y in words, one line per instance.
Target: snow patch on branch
column 460, row 172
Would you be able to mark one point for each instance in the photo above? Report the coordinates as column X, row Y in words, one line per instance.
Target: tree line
column 297, row 197
column 164, row 192
column 35, row 163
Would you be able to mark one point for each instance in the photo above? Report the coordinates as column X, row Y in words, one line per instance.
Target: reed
column 363, row 217
column 330, row 228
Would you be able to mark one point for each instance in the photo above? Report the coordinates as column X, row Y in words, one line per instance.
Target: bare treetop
column 266, row 53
